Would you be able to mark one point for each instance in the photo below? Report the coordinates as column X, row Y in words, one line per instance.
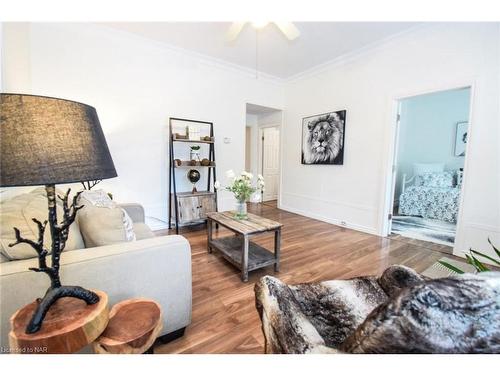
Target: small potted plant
column 242, row 188
column 194, row 154
column 474, row 261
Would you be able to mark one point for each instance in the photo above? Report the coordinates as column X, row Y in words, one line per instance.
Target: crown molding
column 200, row 57
column 249, row 72
column 355, row 54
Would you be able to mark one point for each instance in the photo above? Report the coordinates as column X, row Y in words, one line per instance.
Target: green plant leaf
column 471, row 262
column 485, row 256
column 477, row 263
column 451, row 267
column 494, row 248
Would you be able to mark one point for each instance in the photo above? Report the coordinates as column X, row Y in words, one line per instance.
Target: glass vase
column 241, row 211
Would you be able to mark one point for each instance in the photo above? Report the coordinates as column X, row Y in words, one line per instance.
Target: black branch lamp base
column 52, row 295
column 59, row 235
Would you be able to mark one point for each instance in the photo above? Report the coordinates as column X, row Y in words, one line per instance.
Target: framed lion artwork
column 323, row 138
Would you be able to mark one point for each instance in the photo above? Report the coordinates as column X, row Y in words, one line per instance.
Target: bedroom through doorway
column 429, row 164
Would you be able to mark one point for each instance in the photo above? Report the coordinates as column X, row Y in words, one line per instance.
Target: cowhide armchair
column 399, row 312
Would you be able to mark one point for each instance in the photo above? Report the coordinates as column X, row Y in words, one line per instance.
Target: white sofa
column 158, row 268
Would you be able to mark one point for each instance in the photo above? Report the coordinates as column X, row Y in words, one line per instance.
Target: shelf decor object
column 191, row 207
column 193, row 177
column 193, row 131
column 194, row 153
column 49, row 141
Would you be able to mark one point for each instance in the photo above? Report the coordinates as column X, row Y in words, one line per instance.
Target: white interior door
column 271, row 162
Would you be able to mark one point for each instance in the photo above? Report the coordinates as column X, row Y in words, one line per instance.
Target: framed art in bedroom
column 461, row 138
column 323, row 138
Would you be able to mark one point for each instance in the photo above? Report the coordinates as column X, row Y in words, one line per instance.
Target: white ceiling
column 318, row 43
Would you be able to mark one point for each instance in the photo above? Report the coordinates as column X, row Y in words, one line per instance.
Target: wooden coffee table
column 239, row 250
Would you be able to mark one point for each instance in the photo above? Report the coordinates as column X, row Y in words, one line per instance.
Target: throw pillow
column 451, row 315
column 18, row 212
column 101, row 221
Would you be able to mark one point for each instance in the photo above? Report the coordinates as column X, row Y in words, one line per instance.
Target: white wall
column 136, row 85
column 427, row 131
column 432, row 58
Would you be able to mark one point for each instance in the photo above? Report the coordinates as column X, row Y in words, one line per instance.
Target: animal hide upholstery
column 399, row 312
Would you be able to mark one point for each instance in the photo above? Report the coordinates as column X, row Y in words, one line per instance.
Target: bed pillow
column 435, row 179
column 421, row 168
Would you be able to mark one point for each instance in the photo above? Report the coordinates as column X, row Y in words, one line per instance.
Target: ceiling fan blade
column 234, row 31
column 289, row 29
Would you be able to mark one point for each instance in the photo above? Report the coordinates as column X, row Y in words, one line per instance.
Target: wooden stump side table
column 239, row 250
column 69, row 326
column 133, row 327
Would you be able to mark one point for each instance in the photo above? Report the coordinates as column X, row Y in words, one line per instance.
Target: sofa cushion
column 3, row 258
column 18, row 212
column 451, row 315
column 142, row 231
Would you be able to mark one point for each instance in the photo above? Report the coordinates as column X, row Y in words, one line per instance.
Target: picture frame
column 461, row 138
column 323, row 138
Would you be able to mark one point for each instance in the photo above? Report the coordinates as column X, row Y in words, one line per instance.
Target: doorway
column 270, row 161
column 429, row 164
column 262, row 147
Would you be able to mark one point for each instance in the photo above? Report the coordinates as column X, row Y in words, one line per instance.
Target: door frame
column 394, row 166
column 260, row 155
column 389, row 181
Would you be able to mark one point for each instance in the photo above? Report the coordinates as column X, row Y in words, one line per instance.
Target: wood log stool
column 69, row 326
column 133, row 327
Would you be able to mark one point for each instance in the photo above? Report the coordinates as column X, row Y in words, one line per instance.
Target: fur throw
column 399, row 312
column 452, row 315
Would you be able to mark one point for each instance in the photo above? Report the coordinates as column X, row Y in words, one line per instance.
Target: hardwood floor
column 224, row 316
column 428, row 245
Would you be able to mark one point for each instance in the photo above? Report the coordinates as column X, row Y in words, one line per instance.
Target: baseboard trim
column 330, row 201
column 359, row 228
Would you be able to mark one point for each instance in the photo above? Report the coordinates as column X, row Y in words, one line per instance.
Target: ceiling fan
column 287, row 28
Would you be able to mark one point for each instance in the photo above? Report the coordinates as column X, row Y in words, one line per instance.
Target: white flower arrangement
column 241, row 185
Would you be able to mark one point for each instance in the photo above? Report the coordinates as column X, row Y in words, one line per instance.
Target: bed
column 431, row 195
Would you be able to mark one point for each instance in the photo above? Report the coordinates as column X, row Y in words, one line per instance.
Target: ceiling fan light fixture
column 287, row 28
column 260, row 24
